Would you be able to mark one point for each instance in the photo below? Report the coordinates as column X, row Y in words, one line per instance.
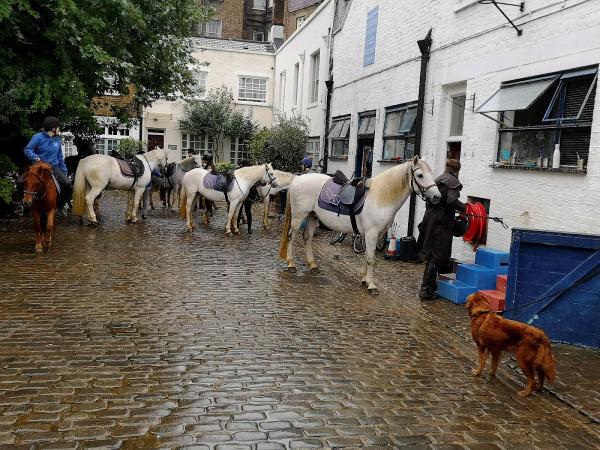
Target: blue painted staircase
column 470, row 278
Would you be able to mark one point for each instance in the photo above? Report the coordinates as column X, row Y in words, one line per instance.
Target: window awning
column 340, row 129
column 516, row 96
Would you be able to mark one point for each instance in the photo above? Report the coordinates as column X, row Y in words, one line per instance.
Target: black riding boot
column 429, row 285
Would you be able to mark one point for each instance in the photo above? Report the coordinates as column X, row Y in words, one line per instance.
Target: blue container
column 476, row 275
column 554, row 284
column 494, row 259
column 455, row 291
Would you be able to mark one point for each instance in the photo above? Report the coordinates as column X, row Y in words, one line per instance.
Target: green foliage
column 216, row 117
column 7, row 182
column 224, row 166
column 283, row 145
column 55, row 55
column 130, row 146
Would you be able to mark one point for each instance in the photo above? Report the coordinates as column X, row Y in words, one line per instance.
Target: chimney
column 278, row 12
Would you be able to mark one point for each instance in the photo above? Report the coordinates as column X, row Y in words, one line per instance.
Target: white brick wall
column 476, row 47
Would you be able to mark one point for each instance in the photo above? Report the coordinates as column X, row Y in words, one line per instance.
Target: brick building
column 296, row 12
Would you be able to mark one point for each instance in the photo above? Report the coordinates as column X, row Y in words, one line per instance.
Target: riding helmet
column 50, row 123
column 208, row 157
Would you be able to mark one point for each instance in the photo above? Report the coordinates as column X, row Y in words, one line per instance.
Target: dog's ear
column 469, row 301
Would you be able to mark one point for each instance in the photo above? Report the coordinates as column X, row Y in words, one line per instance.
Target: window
column 296, row 81
column 201, row 80
column 112, row 131
column 111, row 144
column 213, row 28
column 543, row 112
column 124, row 131
column 282, row 78
column 253, row 89
column 313, row 149
column 457, row 116
column 199, row 144
column 300, row 21
column 258, row 36
column 239, row 151
column 399, row 133
column 68, row 148
column 339, row 133
column 366, row 125
column 100, row 146
column 314, row 77
column 259, row 4
column 112, row 85
column 371, row 37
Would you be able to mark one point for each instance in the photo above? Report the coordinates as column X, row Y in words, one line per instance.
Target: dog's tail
column 545, row 359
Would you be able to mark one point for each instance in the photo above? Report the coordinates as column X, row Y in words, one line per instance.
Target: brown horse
column 41, row 195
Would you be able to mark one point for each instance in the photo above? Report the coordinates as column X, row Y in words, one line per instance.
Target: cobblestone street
column 145, row 336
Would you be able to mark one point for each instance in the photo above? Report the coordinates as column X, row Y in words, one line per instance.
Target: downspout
column 425, row 48
column 329, row 85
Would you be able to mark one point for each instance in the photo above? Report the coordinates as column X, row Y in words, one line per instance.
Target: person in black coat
column 434, row 245
column 252, row 194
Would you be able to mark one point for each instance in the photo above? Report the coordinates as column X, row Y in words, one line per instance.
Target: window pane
column 408, row 121
column 371, row 125
column 517, row 96
column 362, row 126
column 458, row 115
column 392, row 122
column 370, row 37
column 336, row 128
column 340, row 147
column 393, row 148
column 345, row 131
column 527, row 145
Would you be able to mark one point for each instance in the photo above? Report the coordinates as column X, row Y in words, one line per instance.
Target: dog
column 494, row 334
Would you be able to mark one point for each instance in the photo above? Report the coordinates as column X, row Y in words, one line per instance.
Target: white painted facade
column 474, row 50
column 301, row 68
column 224, row 63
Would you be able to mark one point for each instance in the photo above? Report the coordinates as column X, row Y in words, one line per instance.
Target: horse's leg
column 294, row 228
column 89, row 199
column 370, row 243
column 266, row 204
column 231, row 214
column 236, row 215
column 312, row 223
column 188, row 212
column 50, row 219
column 137, row 196
column 37, row 226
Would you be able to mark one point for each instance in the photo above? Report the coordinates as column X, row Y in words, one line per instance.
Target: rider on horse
column 208, row 164
column 46, row 146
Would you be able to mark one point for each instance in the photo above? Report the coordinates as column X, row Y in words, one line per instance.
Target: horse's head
column 197, row 160
column 269, row 177
column 35, row 182
column 422, row 181
column 163, row 159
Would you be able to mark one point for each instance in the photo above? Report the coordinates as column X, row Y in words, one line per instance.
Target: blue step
column 494, row 259
column 476, row 275
column 455, row 291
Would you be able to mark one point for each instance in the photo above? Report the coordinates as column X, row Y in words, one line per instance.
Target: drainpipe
column 329, row 84
column 425, row 48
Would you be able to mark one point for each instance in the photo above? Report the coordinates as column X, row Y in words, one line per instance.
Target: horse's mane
column 387, row 186
column 39, row 166
column 250, row 169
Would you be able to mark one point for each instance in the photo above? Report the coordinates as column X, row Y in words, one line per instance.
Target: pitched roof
column 233, row 45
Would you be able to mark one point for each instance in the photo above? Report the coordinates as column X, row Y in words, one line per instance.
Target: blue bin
column 494, row 259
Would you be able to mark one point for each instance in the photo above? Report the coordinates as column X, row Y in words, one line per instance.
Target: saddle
column 132, row 168
column 344, row 196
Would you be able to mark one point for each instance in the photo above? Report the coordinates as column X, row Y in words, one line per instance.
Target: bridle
column 36, row 194
column 422, row 190
column 272, row 178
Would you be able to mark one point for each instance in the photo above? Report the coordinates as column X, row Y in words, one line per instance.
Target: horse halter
column 413, row 181
column 271, row 177
column 36, row 194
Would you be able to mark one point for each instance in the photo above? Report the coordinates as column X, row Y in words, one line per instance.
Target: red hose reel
column 478, row 222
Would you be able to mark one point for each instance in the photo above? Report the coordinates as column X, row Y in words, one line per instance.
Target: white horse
column 176, row 180
column 385, row 195
column 98, row 172
column 243, row 179
column 283, row 181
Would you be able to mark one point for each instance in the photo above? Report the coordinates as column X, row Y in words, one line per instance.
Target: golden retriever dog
column 494, row 334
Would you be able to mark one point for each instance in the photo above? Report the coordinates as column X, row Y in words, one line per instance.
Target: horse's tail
column 79, row 190
column 182, row 202
column 285, row 233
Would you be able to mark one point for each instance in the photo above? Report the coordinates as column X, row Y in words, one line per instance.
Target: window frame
column 405, row 137
column 208, row 33
column 345, row 124
column 315, row 68
column 248, row 99
column 370, row 41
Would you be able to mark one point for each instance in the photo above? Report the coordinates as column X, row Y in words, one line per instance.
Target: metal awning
column 516, row 96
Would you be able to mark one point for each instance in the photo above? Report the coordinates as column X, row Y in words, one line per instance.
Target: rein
column 36, row 194
column 422, row 189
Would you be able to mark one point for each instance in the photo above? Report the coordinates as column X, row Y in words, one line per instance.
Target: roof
column 295, row 5
column 233, row 45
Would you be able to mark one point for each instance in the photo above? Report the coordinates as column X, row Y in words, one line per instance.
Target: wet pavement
column 145, row 336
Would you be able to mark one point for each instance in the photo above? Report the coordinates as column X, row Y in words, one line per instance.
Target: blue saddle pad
column 215, row 182
column 329, row 199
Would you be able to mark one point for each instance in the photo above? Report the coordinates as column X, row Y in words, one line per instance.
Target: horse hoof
column 373, row 291
column 364, row 283
column 291, row 269
column 314, row 269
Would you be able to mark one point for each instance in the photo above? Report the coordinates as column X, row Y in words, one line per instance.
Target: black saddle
column 352, row 190
column 132, row 168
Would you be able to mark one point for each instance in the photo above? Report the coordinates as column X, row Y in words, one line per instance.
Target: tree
column 283, row 145
column 130, row 146
column 215, row 116
column 56, row 56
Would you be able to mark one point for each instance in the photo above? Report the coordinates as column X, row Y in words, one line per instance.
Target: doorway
column 156, row 138
column 454, row 150
column 364, row 158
